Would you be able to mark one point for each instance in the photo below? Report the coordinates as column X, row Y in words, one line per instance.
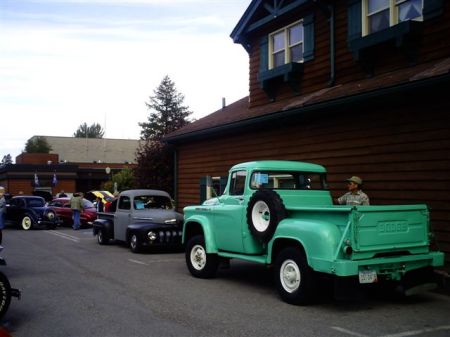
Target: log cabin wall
column 432, row 44
column 399, row 143
column 403, row 155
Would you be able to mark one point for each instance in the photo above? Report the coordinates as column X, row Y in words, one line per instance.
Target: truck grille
column 169, row 236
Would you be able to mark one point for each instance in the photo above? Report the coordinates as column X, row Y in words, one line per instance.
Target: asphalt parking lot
column 71, row 286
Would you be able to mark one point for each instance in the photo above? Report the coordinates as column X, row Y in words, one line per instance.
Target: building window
column 381, row 14
column 286, row 45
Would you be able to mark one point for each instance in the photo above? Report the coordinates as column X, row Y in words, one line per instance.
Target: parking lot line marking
column 399, row 334
column 418, row 332
column 64, row 236
column 138, row 262
column 348, row 332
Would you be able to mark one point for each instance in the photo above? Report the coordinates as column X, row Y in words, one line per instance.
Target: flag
column 36, row 180
column 54, row 180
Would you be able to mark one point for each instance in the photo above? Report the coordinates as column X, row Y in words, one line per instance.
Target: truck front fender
column 319, row 239
column 200, row 225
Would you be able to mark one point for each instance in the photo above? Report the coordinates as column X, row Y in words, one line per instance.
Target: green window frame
column 381, row 14
column 286, row 45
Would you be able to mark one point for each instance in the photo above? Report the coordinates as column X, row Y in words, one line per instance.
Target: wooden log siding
column 433, row 45
column 402, row 155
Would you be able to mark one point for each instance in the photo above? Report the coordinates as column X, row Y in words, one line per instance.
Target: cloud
column 59, row 68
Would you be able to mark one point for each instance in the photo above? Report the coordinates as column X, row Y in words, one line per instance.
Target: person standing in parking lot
column 76, row 204
column 2, row 211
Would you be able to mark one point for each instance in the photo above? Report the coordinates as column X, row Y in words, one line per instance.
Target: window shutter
column 308, row 29
column 264, row 54
column 432, row 8
column 354, row 24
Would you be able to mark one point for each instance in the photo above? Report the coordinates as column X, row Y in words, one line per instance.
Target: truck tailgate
column 389, row 229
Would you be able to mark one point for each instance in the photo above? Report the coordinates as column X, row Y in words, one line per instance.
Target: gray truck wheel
column 135, row 244
column 199, row 262
column 293, row 277
column 26, row 223
column 264, row 211
column 102, row 238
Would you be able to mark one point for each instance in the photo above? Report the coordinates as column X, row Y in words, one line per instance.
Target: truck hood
column 162, row 216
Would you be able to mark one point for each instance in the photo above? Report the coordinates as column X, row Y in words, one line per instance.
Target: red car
column 61, row 206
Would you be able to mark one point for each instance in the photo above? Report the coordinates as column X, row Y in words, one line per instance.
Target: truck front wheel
column 135, row 244
column 293, row 276
column 199, row 262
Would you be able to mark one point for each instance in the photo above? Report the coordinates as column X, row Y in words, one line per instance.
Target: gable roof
column 260, row 13
column 238, row 114
column 88, row 150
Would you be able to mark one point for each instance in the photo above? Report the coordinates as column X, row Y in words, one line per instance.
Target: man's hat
column 356, row 180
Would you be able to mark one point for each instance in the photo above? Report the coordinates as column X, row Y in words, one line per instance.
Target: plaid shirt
column 357, row 199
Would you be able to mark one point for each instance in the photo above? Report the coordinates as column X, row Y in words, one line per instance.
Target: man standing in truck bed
column 354, row 196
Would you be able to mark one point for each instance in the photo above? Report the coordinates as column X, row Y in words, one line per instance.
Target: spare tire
column 264, row 211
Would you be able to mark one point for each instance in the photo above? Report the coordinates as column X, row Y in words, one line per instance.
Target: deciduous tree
column 93, row 131
column 37, row 144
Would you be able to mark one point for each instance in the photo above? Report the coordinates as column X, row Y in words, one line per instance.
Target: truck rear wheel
column 102, row 237
column 199, row 262
column 265, row 210
column 293, row 277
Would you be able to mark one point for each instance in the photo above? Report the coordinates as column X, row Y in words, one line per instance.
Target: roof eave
column 333, row 103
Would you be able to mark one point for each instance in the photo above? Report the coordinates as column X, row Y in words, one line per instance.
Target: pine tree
column 155, row 158
column 167, row 111
column 6, row 160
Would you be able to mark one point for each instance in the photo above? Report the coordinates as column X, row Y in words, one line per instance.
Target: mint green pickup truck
column 281, row 213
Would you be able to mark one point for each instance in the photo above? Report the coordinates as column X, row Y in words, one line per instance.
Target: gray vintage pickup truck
column 141, row 218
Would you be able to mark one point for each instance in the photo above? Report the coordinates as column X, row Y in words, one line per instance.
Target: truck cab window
column 124, row 202
column 237, row 183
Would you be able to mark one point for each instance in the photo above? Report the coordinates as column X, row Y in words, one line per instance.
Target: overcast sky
column 66, row 62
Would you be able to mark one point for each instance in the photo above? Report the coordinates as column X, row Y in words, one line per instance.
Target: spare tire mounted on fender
column 264, row 211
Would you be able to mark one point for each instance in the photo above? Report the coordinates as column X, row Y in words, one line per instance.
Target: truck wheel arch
column 279, row 244
column 195, row 227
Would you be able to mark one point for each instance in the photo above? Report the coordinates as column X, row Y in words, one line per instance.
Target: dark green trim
column 442, row 81
column 308, row 37
column 288, row 73
column 244, row 27
column 271, row 17
column 175, row 176
column 432, row 8
column 405, row 35
column 354, row 19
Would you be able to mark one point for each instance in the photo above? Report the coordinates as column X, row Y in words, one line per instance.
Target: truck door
column 229, row 215
column 122, row 218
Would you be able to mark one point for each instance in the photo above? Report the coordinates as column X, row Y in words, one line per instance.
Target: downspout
column 331, row 21
column 175, row 178
column 329, row 12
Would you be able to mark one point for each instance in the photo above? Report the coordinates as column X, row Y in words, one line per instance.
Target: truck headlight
column 151, row 236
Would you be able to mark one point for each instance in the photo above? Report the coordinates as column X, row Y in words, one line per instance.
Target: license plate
column 368, row 276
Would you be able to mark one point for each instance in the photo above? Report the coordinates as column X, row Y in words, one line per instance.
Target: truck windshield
column 288, row 180
column 152, row 202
